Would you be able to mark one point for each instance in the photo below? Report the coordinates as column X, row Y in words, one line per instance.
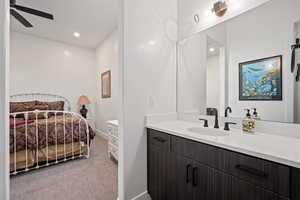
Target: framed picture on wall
column 261, row 80
column 106, row 84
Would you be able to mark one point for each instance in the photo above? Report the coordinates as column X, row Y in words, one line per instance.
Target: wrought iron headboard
column 40, row 97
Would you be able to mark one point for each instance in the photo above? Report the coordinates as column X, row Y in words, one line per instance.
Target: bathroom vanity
column 187, row 165
column 224, row 67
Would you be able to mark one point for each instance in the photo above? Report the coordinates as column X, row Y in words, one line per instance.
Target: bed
column 44, row 132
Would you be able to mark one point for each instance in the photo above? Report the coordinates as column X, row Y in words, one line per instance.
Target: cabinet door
column 295, row 184
column 184, row 173
column 200, row 182
column 160, row 174
column 220, row 185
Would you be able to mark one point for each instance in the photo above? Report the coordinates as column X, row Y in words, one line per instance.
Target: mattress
column 63, row 151
column 54, row 138
column 60, row 129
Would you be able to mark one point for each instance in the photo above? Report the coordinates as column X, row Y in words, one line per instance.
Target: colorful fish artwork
column 261, row 79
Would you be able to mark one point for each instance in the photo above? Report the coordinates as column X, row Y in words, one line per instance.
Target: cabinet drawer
column 112, row 130
column 242, row 190
column 203, row 153
column 271, row 176
column 115, row 131
column 159, row 139
column 262, row 173
column 114, row 140
column 113, row 151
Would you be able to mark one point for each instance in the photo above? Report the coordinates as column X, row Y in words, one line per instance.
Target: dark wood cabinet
column 181, row 169
column 157, row 171
column 295, row 183
column 201, row 175
column 184, row 187
column 192, row 180
column 242, row 190
column 221, row 185
column 265, row 174
column 161, row 167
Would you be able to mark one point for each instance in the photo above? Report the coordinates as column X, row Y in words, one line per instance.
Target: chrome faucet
column 228, row 109
column 216, row 118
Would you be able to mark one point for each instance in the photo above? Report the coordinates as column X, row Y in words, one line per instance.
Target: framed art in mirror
column 261, row 80
column 106, row 84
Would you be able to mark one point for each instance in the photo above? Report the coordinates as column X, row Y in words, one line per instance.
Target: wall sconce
column 220, row 8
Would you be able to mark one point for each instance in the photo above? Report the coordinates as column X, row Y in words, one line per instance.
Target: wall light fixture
column 220, row 8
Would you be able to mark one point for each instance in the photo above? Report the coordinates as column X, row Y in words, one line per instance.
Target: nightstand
column 91, row 123
column 113, row 138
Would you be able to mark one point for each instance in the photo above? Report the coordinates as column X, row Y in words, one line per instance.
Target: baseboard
column 142, row 196
column 101, row 133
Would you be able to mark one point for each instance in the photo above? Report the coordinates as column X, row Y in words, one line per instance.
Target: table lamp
column 83, row 101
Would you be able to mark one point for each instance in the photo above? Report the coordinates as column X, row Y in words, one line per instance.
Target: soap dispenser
column 255, row 114
column 248, row 123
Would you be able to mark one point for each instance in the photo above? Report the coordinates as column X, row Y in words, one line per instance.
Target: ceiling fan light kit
column 14, row 8
column 220, row 8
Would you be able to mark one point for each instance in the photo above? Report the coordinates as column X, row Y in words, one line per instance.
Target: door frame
column 121, row 115
column 4, row 98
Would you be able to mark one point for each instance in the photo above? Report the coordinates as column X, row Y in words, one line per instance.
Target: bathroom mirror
column 243, row 63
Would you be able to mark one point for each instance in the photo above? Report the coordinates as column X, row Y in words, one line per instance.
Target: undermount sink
column 208, row 132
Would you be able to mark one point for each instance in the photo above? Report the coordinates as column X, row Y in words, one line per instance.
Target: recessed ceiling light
column 152, row 42
column 76, row 34
column 67, row 53
column 211, row 49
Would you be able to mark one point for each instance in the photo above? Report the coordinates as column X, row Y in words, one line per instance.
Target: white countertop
column 280, row 149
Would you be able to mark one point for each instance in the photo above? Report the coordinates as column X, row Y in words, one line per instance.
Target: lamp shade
column 84, row 100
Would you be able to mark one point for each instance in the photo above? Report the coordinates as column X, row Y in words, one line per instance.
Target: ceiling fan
column 13, row 11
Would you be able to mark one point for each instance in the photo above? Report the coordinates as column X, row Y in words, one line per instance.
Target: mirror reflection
column 247, row 62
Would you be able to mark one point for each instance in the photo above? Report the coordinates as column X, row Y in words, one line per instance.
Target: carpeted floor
column 86, row 179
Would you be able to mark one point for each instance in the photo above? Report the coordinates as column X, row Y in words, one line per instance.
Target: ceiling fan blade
column 12, row 2
column 20, row 18
column 34, row 12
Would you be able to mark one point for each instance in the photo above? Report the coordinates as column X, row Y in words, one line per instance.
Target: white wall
column 251, row 36
column 40, row 65
column 4, row 93
column 187, row 10
column 213, row 82
column 149, row 81
column 107, row 59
